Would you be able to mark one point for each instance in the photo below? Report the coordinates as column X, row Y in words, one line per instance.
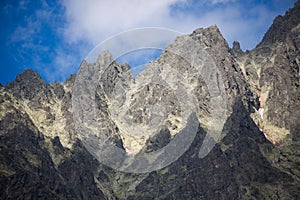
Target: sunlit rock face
column 257, row 156
column 272, row 70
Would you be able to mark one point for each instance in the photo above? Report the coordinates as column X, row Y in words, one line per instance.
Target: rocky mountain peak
column 27, row 85
column 236, row 50
column 282, row 26
column 211, row 37
column 105, row 58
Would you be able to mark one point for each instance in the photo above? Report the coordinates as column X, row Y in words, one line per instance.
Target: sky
column 52, row 37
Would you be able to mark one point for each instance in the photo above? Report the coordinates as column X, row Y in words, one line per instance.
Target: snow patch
column 261, row 113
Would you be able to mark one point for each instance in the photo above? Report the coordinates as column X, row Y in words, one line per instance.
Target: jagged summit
column 212, row 33
column 236, row 50
column 282, row 27
column 28, row 84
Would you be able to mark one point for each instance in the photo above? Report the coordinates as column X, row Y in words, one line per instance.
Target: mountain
column 42, row 154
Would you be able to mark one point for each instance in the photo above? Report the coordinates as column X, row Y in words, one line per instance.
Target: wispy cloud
column 38, row 43
column 23, row 4
column 27, row 32
column 221, row 1
column 62, row 66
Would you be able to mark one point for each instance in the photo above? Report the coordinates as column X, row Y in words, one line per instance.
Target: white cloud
column 94, row 20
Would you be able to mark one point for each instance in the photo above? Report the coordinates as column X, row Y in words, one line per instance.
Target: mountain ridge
column 257, row 155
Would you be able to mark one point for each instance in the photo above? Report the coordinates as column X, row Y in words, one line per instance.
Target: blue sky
column 54, row 36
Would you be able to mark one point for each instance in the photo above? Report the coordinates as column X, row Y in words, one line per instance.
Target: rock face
column 257, row 155
column 272, row 69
